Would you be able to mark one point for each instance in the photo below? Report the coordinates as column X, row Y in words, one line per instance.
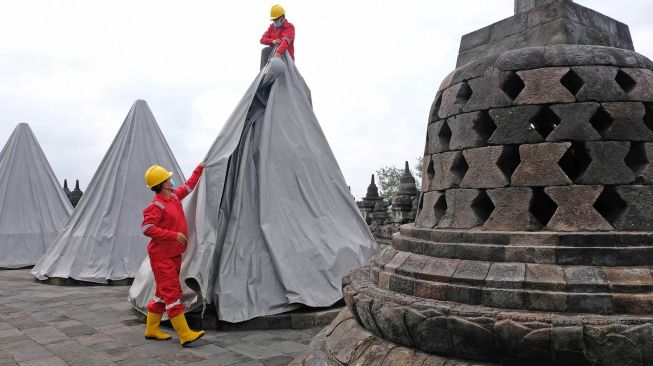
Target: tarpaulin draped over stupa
column 272, row 223
column 33, row 207
column 103, row 241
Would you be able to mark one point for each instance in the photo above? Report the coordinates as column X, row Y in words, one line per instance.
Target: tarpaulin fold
column 272, row 223
column 103, row 240
column 33, row 206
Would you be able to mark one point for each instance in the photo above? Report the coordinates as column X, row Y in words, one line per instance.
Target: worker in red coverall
column 165, row 223
column 281, row 32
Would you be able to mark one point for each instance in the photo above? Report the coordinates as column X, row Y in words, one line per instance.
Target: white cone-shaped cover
column 33, row 207
column 272, row 224
column 103, row 240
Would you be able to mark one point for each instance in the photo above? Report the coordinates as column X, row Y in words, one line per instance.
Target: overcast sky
column 72, row 69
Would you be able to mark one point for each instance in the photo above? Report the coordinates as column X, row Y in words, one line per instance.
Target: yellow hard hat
column 276, row 12
column 156, row 175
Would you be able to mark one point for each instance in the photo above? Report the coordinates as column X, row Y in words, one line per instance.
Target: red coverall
column 163, row 219
column 285, row 33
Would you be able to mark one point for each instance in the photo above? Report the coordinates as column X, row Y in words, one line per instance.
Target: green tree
column 388, row 180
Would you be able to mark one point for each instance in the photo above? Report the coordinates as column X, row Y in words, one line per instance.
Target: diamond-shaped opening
column 575, row 160
column 511, row 84
column 648, row 116
column 637, row 160
column 610, row 205
column 464, row 93
column 444, row 135
column 484, row 126
column 435, row 108
column 545, row 121
column 440, row 207
column 509, row 160
column 459, row 167
column 430, row 171
column 601, row 121
column 625, row 81
column 482, row 205
column 572, row 82
column 542, row 206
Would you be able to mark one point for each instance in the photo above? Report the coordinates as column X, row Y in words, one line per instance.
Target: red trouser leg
column 168, row 289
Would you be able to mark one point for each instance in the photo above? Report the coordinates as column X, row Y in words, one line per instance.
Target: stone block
column 506, row 275
column 607, row 163
column 396, row 262
column 454, row 99
column 469, row 130
column 521, row 59
column 527, row 254
column 637, row 213
column 623, row 121
column 576, row 210
column 635, row 304
column 484, row 167
column 544, row 277
column 412, row 265
column 514, row 125
column 486, row 94
column 432, row 208
column 581, row 55
column 439, row 269
column 463, row 294
column 438, row 135
column 471, row 272
column 598, row 84
column 539, row 165
column 543, row 86
column 585, row 279
column 445, row 170
column 642, row 90
column 546, row 301
column 575, row 122
column 430, row 290
column 590, row 303
column 629, row 279
column 466, row 208
column 401, row 284
column 511, row 210
column 471, row 340
column 502, row 298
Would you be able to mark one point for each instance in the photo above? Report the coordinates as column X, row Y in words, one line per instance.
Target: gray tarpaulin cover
column 103, row 240
column 33, row 207
column 272, row 224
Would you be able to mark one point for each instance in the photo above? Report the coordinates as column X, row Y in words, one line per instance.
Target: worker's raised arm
column 266, row 39
column 287, row 37
column 190, row 184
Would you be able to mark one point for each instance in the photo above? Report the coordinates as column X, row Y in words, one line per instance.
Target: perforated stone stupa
column 533, row 244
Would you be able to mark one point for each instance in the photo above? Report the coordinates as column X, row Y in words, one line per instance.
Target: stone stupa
column 533, row 244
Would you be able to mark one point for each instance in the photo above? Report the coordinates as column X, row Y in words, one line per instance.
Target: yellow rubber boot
column 186, row 335
column 152, row 330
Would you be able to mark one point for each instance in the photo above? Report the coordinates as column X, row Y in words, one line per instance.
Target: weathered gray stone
column 642, row 90
column 506, row 275
column 637, row 215
column 574, row 122
column 522, row 6
column 543, row 86
column 607, row 164
column 433, row 207
column 514, row 125
column 539, row 165
column 626, row 122
column 485, row 167
column 471, row 272
column 454, row 99
column 640, row 160
column 599, row 84
column 437, row 137
column 460, row 212
column 445, row 170
column 613, row 349
column 486, row 94
column 469, row 130
column 511, row 210
column 587, row 55
column 544, row 277
column 471, row 340
column 575, row 210
column 585, row 279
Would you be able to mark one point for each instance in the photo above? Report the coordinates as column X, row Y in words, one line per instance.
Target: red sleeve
column 287, row 37
column 265, row 39
column 190, row 184
column 151, row 218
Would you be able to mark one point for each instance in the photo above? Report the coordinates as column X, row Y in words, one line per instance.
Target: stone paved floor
column 44, row 325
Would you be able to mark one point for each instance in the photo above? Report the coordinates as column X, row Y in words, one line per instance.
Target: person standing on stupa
column 164, row 221
column 281, row 32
